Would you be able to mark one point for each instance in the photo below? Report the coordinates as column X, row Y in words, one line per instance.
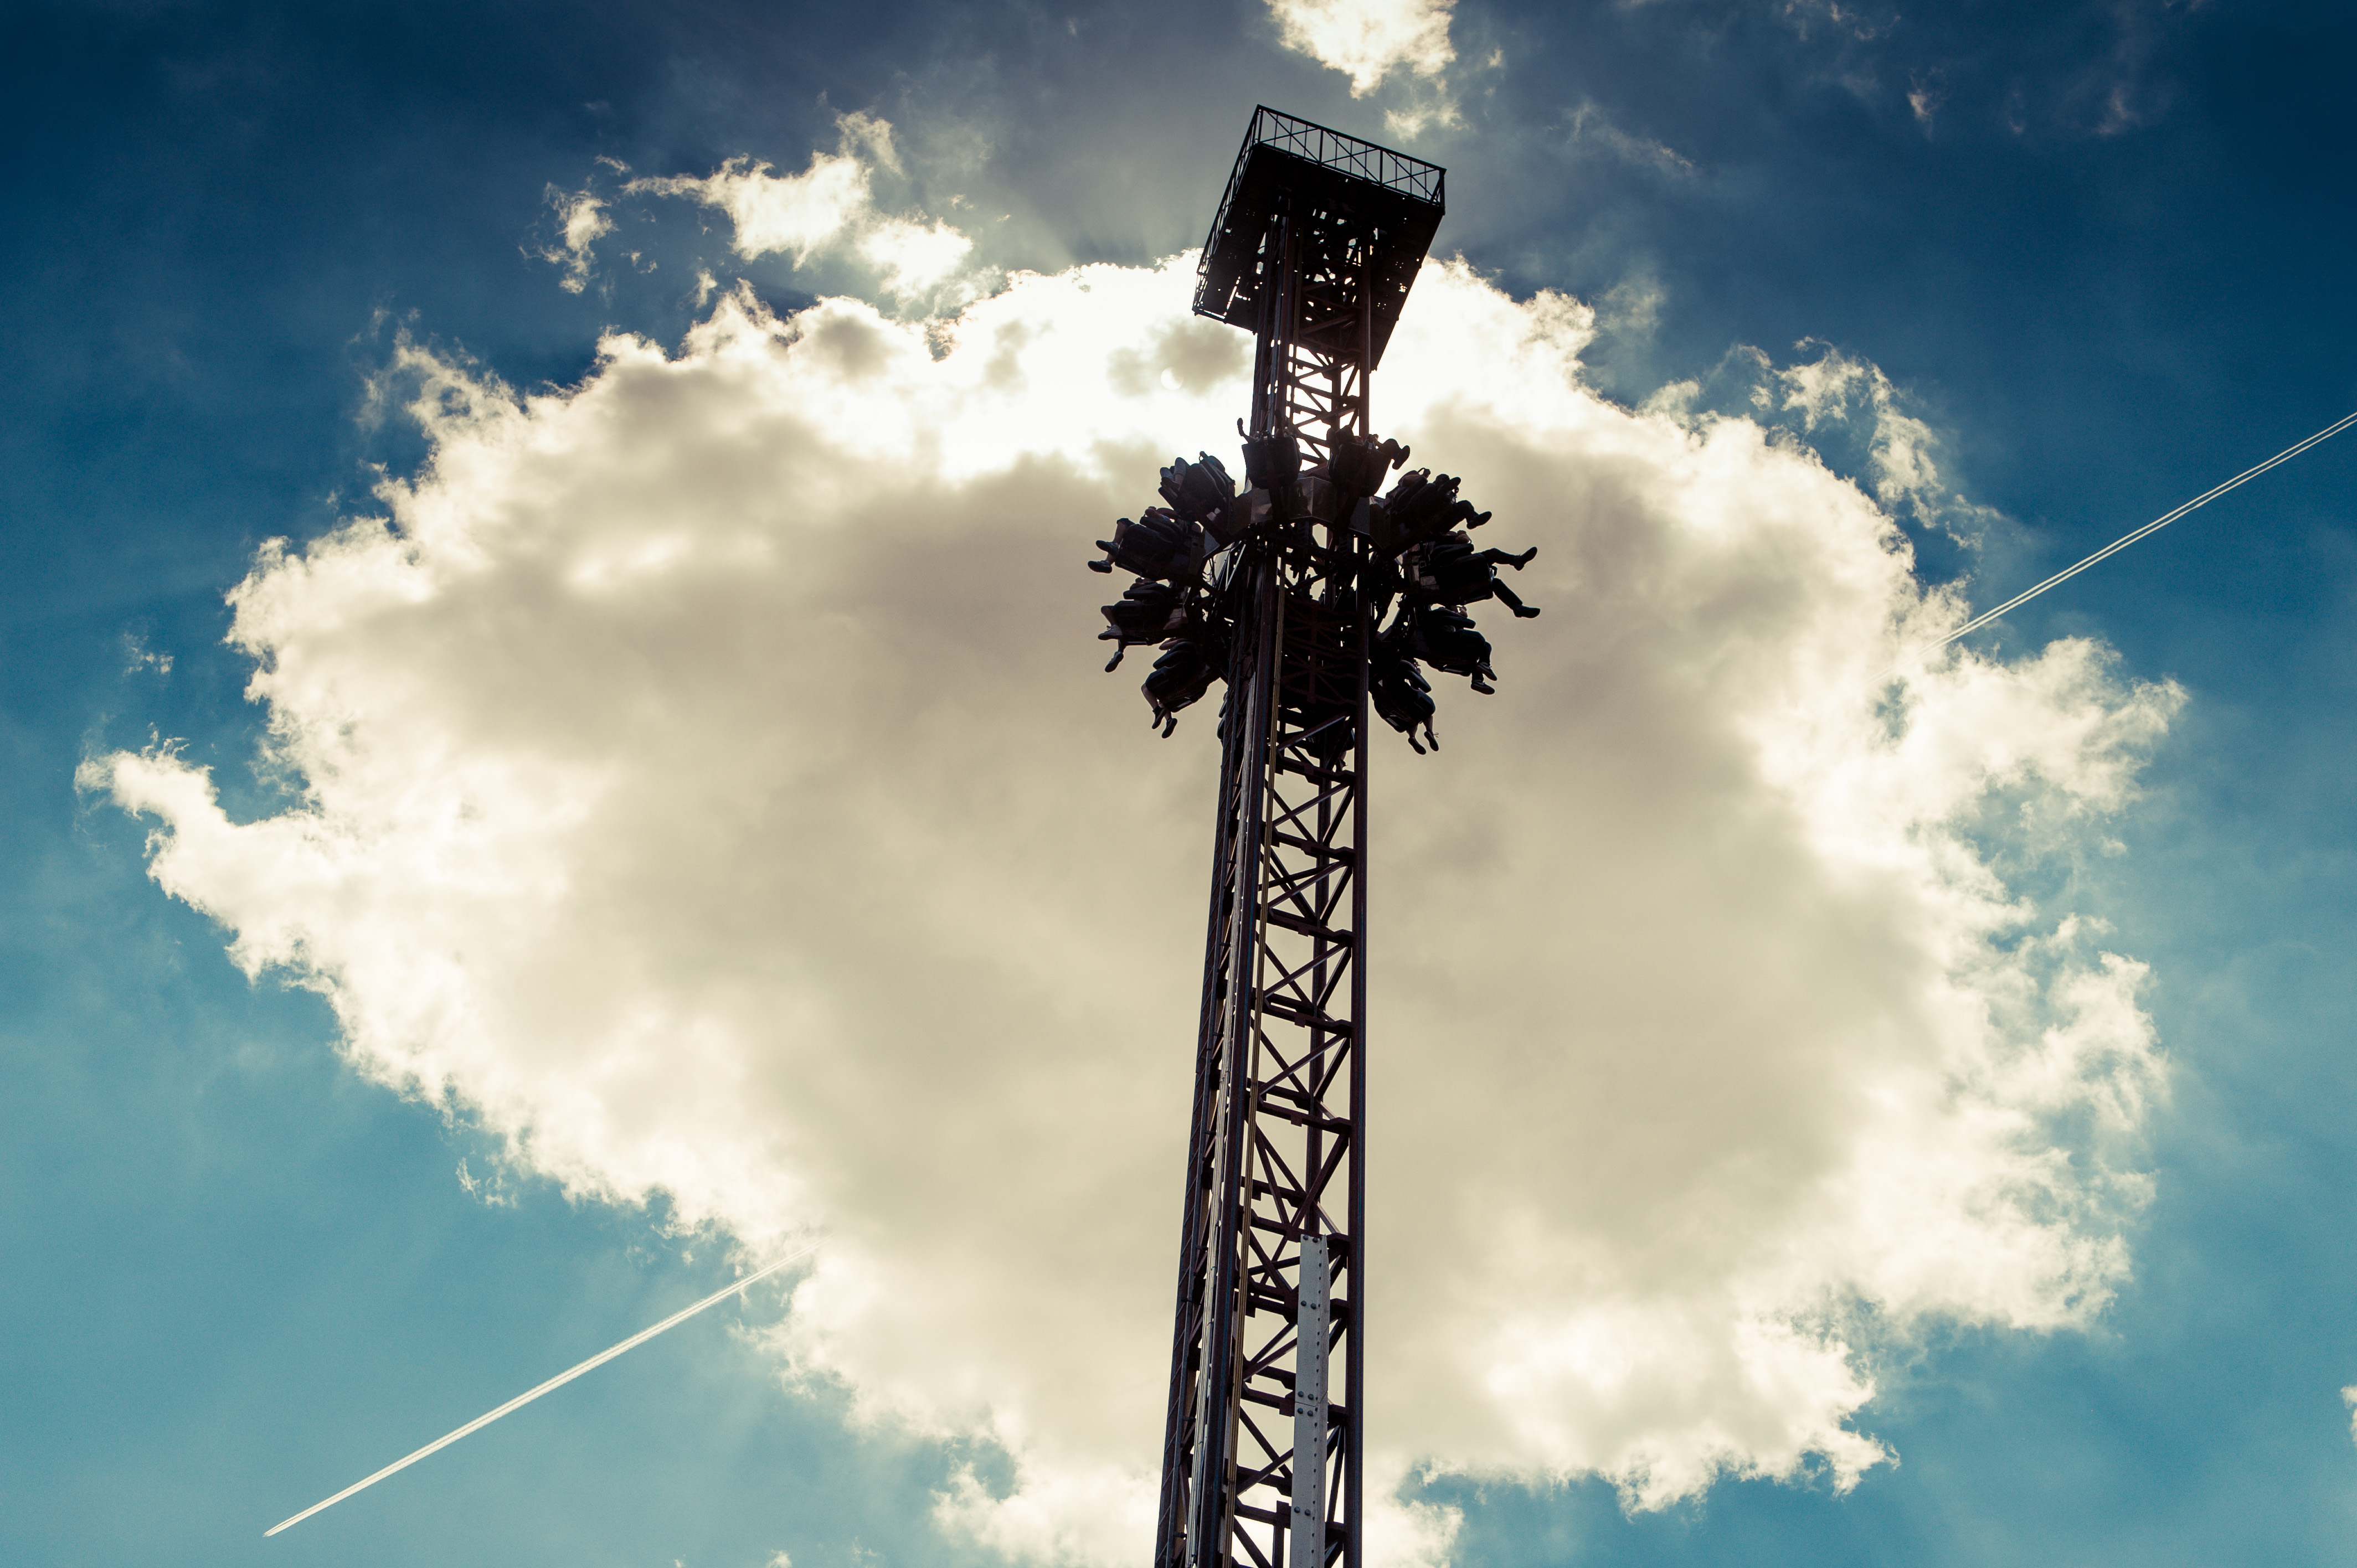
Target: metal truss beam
column 1261, row 1453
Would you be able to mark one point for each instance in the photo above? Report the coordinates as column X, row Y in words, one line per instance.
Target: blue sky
column 2098, row 251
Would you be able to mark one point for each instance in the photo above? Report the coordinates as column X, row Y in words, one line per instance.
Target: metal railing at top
column 1347, row 155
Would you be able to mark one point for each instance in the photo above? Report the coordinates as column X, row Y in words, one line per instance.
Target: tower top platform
column 1387, row 199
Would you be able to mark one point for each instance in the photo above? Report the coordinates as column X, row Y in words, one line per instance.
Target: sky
column 556, row 752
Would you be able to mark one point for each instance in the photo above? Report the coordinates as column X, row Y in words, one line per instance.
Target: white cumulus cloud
column 708, row 783
column 1369, row 40
column 916, row 258
column 581, row 223
column 830, row 205
column 795, row 214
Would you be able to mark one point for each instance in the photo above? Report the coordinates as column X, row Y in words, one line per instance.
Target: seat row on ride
column 1421, row 558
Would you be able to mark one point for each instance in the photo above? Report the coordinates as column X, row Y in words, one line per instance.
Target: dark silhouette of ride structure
column 1180, row 554
column 1317, row 596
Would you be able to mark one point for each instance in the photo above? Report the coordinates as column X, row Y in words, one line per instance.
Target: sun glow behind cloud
column 708, row 783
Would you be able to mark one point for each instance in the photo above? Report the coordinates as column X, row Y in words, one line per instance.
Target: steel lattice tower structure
column 1317, row 242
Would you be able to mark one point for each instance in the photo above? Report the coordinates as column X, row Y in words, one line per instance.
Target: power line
column 2117, row 546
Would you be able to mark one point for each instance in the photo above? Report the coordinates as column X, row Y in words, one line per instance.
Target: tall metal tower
column 1280, row 589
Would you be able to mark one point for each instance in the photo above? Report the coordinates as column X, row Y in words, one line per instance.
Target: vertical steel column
column 1261, row 1463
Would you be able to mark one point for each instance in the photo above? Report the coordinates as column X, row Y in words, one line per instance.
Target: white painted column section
column 1313, row 1330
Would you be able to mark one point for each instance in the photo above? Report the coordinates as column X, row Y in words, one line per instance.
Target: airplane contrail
column 2122, row 542
column 561, row 1378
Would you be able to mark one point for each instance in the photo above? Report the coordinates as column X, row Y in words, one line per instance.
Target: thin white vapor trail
column 2204, row 499
column 561, row 1378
